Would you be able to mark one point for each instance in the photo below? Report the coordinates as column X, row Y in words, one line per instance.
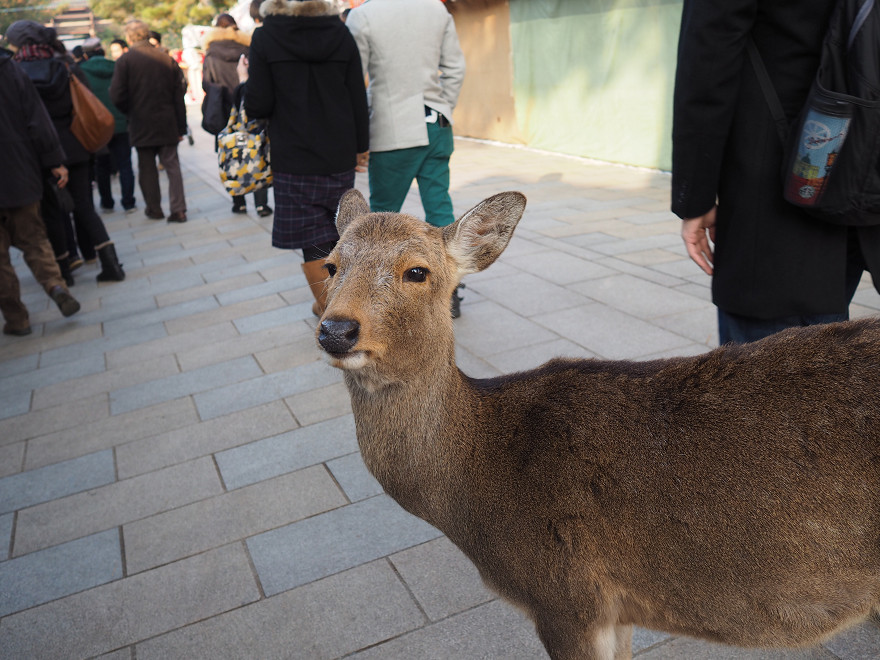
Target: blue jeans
column 119, row 154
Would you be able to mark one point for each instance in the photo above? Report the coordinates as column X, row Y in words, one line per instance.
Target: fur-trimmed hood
column 300, row 8
column 227, row 34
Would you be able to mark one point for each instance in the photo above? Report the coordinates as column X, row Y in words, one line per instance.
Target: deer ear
column 478, row 237
column 351, row 205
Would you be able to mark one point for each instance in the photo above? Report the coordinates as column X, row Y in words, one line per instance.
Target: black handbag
column 61, row 197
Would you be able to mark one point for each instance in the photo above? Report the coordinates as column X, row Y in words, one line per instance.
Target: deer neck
column 408, row 439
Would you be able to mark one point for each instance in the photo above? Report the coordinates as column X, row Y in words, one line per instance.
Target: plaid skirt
column 305, row 208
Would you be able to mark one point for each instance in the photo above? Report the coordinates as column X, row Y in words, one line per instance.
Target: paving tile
column 6, row 523
column 165, row 344
column 108, row 432
column 48, row 376
column 353, row 477
column 201, row 290
column 287, row 452
column 102, row 345
column 136, row 608
column 857, row 643
column 441, row 578
column 489, row 328
column 320, row 404
column 16, row 403
column 527, row 294
column 611, row 334
column 194, row 440
column 164, row 314
column 367, row 605
column 300, row 347
column 638, row 298
column 288, row 316
column 261, row 290
column 124, row 501
column 226, row 312
column 104, row 381
column 56, row 572
column 558, row 268
column 229, row 517
column 256, row 391
column 20, row 365
column 26, row 489
column 11, row 457
column 285, row 340
column 182, row 384
column 493, row 630
column 332, row 542
column 684, row 648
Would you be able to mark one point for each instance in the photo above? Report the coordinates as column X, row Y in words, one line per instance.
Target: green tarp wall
column 594, row 78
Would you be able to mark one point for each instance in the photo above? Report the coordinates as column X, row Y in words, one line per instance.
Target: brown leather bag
column 93, row 124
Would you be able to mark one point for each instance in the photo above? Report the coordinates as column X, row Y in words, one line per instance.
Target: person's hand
column 242, row 68
column 60, row 173
column 363, row 159
column 699, row 235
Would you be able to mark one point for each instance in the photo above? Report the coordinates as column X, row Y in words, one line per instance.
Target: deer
column 732, row 496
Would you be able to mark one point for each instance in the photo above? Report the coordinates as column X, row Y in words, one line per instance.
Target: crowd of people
column 373, row 89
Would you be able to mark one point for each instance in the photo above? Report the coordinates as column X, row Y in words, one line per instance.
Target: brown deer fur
column 732, row 496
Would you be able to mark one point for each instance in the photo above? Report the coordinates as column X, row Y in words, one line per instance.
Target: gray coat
column 148, row 87
column 410, row 51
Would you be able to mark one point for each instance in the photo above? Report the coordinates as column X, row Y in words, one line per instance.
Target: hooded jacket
column 318, row 118
column 99, row 71
column 28, row 139
column 223, row 48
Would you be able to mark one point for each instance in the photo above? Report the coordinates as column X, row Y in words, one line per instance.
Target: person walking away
column 305, row 77
column 99, row 71
column 31, row 142
column 43, row 58
column 411, row 55
column 224, row 46
column 773, row 266
column 149, row 88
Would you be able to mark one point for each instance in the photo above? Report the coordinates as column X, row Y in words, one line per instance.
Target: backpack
column 243, row 154
column 831, row 163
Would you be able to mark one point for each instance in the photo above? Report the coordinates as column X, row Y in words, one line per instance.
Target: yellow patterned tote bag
column 243, row 154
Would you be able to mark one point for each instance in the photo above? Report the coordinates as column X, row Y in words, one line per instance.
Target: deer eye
column 416, row 274
column 331, row 269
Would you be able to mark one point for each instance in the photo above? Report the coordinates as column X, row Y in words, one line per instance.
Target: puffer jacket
column 28, row 139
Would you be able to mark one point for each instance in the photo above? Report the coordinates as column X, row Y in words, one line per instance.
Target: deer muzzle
column 339, row 337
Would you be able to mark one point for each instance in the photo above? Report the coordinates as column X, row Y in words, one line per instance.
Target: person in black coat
column 148, row 87
column 773, row 265
column 44, row 59
column 31, row 144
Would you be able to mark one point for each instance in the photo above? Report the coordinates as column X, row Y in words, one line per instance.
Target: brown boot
column 316, row 276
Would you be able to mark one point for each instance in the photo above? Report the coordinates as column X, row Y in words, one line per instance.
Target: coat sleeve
column 119, row 92
column 259, row 96
column 357, row 25
column 358, row 95
column 452, row 65
column 711, row 56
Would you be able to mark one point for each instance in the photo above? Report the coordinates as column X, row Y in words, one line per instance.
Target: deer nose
column 338, row 336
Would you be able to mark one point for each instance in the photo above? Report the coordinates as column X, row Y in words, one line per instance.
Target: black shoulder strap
column 769, row 91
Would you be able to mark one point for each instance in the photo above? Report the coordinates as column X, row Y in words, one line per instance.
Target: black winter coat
column 148, row 87
column 305, row 76
column 223, row 48
column 771, row 259
column 28, row 140
column 51, row 77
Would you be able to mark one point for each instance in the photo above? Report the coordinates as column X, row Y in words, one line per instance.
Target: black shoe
column 239, row 208
column 178, row 216
column 263, row 211
column 111, row 269
column 154, row 215
column 455, row 304
column 17, row 332
column 64, row 267
column 66, row 302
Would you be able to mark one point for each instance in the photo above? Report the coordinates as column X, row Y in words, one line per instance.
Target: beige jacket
column 411, row 55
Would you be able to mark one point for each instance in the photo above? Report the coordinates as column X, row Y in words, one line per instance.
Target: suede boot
column 316, row 276
column 111, row 269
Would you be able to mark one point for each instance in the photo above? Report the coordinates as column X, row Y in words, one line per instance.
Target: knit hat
column 22, row 33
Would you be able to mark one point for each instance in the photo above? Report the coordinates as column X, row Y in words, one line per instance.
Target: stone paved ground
column 179, row 476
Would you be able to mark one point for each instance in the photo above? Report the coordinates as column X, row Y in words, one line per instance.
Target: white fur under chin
column 350, row 362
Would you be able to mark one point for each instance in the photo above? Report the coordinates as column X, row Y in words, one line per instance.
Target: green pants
column 392, row 173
